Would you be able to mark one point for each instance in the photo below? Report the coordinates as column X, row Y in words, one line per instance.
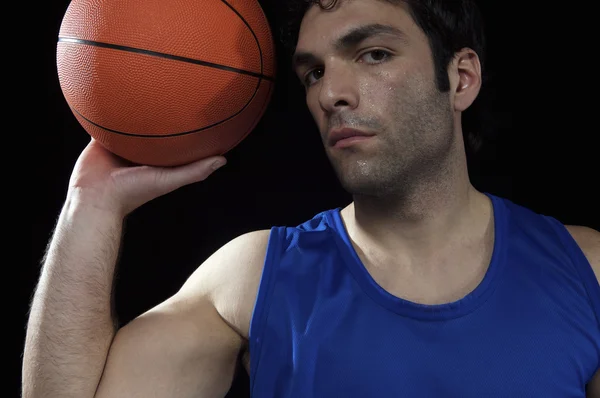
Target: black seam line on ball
column 251, row 31
column 163, row 55
column 173, row 134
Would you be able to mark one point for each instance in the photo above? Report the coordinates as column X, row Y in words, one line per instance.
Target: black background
column 543, row 157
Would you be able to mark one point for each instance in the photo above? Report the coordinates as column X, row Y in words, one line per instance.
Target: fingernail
column 217, row 164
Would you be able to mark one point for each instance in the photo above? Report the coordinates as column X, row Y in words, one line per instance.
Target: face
column 366, row 65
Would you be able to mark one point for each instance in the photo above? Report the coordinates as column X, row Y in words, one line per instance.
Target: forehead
column 321, row 27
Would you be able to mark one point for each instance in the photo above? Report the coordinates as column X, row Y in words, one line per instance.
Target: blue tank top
column 322, row 327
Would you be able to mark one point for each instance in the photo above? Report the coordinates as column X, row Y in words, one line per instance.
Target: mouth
column 346, row 142
column 346, row 137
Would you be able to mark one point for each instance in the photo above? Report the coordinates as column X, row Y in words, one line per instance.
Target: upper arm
column 184, row 347
column 588, row 240
column 593, row 387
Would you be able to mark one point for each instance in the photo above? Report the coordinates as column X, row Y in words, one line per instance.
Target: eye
column 377, row 55
column 307, row 81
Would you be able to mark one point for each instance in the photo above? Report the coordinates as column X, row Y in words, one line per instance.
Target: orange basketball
column 166, row 82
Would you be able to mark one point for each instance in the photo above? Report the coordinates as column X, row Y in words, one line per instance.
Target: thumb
column 168, row 179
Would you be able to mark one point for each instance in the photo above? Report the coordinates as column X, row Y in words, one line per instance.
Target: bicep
column 177, row 350
column 588, row 240
column 188, row 346
column 181, row 348
column 593, row 387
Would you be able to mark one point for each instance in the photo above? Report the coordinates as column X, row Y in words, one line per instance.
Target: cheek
column 314, row 107
column 378, row 93
column 312, row 102
column 391, row 91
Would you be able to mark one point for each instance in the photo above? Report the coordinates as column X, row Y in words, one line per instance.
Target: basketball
column 166, row 82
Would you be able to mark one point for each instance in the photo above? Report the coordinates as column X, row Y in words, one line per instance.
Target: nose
column 339, row 90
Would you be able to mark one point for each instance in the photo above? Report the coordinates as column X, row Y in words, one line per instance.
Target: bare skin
column 411, row 193
column 409, row 182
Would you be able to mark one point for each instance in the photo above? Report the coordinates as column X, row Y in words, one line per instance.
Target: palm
column 95, row 167
column 115, row 184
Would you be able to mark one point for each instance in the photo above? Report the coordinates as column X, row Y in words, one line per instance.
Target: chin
column 361, row 183
column 371, row 178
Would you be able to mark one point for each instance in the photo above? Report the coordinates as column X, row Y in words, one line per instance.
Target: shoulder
column 588, row 239
column 229, row 278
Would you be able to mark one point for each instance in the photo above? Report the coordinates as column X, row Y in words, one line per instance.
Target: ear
column 465, row 78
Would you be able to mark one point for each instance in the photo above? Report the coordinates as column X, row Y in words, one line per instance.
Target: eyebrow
column 350, row 40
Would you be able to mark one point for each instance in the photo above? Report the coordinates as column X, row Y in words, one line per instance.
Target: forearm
column 70, row 325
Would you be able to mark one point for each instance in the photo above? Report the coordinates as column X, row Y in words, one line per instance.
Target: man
column 422, row 287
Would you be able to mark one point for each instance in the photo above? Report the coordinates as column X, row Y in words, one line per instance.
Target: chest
column 349, row 346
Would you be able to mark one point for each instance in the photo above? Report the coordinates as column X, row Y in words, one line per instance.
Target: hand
column 106, row 181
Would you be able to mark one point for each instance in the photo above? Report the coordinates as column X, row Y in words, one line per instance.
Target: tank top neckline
column 407, row 308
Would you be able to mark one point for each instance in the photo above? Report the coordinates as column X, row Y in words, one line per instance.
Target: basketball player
column 421, row 287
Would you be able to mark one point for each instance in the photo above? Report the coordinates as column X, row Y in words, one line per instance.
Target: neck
column 423, row 223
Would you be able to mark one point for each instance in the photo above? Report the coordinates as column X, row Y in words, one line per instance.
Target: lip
column 342, row 134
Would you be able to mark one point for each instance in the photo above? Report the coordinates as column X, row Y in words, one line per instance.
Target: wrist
column 82, row 201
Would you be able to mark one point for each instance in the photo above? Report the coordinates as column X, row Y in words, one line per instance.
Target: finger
column 170, row 179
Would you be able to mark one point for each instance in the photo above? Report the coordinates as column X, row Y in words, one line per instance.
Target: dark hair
column 450, row 26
